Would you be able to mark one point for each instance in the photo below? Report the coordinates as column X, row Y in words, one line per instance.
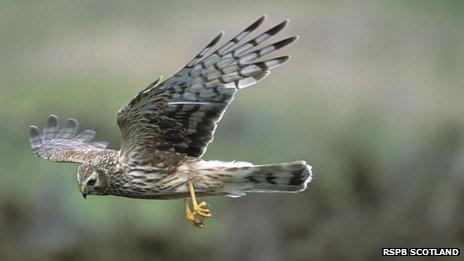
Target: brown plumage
column 167, row 127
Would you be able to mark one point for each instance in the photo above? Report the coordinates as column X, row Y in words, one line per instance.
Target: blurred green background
column 372, row 98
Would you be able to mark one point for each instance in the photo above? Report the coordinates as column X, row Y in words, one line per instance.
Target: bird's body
column 166, row 129
column 167, row 176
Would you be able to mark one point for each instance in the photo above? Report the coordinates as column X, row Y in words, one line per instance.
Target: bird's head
column 91, row 180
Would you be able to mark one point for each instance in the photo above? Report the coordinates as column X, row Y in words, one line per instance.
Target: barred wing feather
column 180, row 114
column 64, row 145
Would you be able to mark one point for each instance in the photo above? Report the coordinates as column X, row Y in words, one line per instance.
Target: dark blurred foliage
column 372, row 98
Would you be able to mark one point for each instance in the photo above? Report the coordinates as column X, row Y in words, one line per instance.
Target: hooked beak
column 84, row 193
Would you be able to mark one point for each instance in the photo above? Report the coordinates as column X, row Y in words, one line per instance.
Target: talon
column 198, row 224
column 200, row 210
column 191, row 216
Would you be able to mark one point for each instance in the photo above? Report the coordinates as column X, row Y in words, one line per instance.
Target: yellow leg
column 200, row 210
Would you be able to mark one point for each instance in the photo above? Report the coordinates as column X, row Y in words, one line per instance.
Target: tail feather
column 285, row 177
column 241, row 177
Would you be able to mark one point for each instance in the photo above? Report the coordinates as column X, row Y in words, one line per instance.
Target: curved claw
column 191, row 216
column 197, row 223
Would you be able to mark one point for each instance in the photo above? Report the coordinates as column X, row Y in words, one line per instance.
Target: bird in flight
column 167, row 127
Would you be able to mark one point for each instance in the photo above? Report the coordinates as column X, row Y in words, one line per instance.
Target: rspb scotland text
column 421, row 252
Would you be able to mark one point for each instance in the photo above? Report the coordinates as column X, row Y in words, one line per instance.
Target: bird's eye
column 91, row 182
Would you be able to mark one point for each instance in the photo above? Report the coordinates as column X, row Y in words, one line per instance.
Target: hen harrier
column 166, row 129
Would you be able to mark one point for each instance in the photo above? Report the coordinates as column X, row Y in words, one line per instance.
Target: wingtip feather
column 34, row 136
column 256, row 23
column 51, row 127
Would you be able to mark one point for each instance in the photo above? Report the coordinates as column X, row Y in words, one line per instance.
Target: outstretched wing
column 63, row 145
column 180, row 114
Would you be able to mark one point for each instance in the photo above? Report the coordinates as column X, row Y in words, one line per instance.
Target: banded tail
column 239, row 178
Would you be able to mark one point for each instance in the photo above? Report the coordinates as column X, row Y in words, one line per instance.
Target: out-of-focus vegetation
column 372, row 98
